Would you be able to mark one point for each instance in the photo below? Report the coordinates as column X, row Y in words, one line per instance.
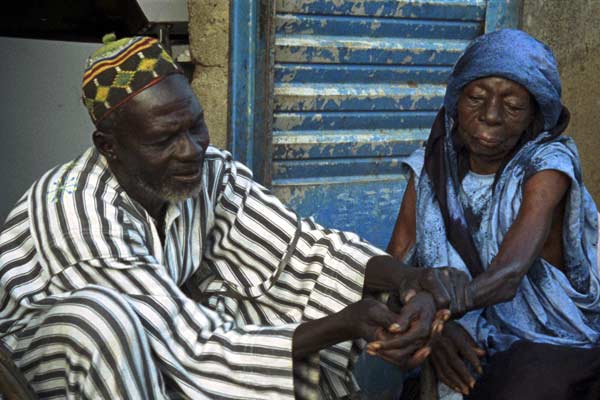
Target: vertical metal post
column 250, row 84
column 242, row 48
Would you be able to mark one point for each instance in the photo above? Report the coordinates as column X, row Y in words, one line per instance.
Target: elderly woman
column 498, row 193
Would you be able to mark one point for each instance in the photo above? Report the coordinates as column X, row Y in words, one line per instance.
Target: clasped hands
column 404, row 330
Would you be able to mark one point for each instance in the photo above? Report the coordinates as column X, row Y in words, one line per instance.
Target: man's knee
column 88, row 342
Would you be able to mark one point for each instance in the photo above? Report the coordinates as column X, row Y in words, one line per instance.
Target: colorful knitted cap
column 121, row 69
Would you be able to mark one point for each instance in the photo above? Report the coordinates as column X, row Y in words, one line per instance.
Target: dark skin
column 158, row 138
column 155, row 145
column 492, row 115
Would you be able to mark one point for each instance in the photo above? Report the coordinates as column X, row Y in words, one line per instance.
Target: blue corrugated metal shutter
column 357, row 85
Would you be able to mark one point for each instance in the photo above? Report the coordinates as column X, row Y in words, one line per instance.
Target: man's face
column 161, row 141
column 493, row 113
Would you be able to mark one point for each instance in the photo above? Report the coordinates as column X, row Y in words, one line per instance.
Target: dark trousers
column 535, row 371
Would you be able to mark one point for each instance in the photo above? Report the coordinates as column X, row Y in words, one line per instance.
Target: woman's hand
column 451, row 352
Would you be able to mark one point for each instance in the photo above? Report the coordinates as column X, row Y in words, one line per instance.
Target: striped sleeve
column 253, row 230
column 22, row 280
column 251, row 235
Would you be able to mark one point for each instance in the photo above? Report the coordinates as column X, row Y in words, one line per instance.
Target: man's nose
column 192, row 146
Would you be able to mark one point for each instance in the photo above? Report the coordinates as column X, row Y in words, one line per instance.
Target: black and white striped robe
column 92, row 304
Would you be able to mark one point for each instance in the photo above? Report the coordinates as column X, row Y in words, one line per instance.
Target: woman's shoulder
column 558, row 154
column 415, row 161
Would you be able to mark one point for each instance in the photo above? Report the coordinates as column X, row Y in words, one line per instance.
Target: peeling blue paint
column 325, row 169
column 353, row 143
column 337, row 25
column 356, row 86
column 334, row 73
column 366, row 50
column 469, row 10
column 349, row 120
column 347, row 203
column 376, row 97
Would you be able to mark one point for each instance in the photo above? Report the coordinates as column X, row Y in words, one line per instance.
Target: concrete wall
column 572, row 30
column 209, row 46
column 42, row 120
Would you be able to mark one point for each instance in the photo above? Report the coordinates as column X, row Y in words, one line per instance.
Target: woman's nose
column 493, row 112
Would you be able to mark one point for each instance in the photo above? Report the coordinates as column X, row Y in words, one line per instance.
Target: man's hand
column 450, row 351
column 368, row 318
column 371, row 320
column 361, row 320
column 406, row 343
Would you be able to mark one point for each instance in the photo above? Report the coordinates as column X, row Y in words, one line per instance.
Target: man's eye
column 476, row 99
column 162, row 142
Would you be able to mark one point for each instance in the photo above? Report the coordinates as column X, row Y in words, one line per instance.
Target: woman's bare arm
column 543, row 194
column 404, row 234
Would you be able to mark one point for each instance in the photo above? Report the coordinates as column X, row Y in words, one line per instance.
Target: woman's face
column 493, row 113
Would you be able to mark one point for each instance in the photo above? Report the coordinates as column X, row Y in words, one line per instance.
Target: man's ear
column 105, row 143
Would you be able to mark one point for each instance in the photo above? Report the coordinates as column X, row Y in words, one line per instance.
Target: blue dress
column 551, row 306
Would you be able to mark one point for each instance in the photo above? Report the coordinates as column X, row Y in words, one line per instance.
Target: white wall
column 42, row 120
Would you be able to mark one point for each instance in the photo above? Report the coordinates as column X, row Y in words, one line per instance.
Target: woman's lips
column 487, row 142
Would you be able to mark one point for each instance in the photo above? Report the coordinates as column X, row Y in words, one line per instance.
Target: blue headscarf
column 514, row 55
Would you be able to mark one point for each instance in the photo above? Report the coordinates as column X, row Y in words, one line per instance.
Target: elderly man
column 153, row 266
column 498, row 193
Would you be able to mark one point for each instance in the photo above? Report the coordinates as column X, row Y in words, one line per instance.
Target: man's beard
column 168, row 191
